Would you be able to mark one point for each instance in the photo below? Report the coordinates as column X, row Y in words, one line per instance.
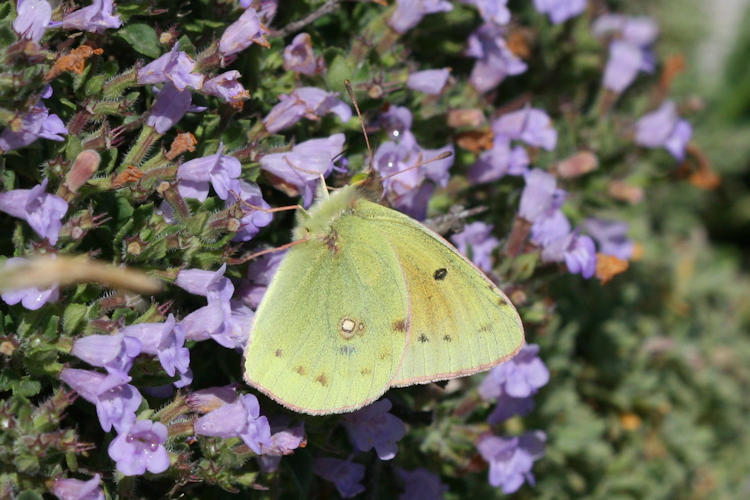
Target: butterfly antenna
column 241, row 260
column 420, row 163
column 350, row 91
column 323, row 188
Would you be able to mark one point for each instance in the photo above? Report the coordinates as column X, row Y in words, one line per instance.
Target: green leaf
column 338, row 71
column 72, row 147
column 142, row 38
column 28, row 495
column 50, row 331
column 72, row 316
column 94, row 84
column 26, row 387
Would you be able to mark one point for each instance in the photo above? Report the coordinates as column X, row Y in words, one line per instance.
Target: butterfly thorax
column 317, row 222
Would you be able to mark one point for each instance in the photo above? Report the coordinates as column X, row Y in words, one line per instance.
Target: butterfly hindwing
column 330, row 331
column 461, row 323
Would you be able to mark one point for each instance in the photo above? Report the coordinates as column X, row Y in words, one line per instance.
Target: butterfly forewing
column 330, row 331
column 461, row 323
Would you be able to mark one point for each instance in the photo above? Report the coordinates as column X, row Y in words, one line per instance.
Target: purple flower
column 227, row 87
column 252, row 219
column 115, row 353
column 299, row 170
column 266, row 9
column 169, row 108
column 530, row 125
column 394, row 162
column 41, row 210
column 299, row 56
column 499, row 161
column 422, row 484
column 260, row 272
column 508, row 406
column 211, row 284
column 241, row 319
column 664, row 128
column 396, row 122
column 305, row 102
column 75, row 489
column 408, row 13
column 167, row 342
column 495, row 59
column 30, row 298
column 629, row 54
column 404, row 168
column 549, row 228
column 437, row 170
column 346, row 475
column 374, row 427
column 580, row 256
column 211, row 398
column 540, row 196
column 241, row 418
column 477, row 242
column 141, row 448
column 283, row 442
column 560, row 11
column 640, row 31
column 96, row 18
column 429, row 81
column 207, row 322
column 35, row 123
column 492, row 11
column 220, row 169
column 116, row 401
column 611, row 236
column 624, row 63
column 519, row 377
column 242, row 33
column 559, row 245
column 402, row 179
column 216, row 320
column 511, row 459
column 175, row 66
column 414, row 203
column 552, row 232
column 33, row 18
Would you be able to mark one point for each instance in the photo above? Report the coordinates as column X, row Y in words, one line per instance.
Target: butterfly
column 370, row 299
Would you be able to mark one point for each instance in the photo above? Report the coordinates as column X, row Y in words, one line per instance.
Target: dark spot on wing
column 322, row 379
column 423, row 338
column 501, row 301
column 440, row 274
column 279, row 352
column 300, row 369
column 383, row 355
column 348, row 350
column 399, row 325
column 364, row 371
column 447, row 338
column 485, row 328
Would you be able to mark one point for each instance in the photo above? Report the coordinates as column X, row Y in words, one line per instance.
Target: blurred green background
column 649, row 395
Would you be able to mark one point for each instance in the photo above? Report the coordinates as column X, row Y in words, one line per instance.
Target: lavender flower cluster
column 204, row 210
